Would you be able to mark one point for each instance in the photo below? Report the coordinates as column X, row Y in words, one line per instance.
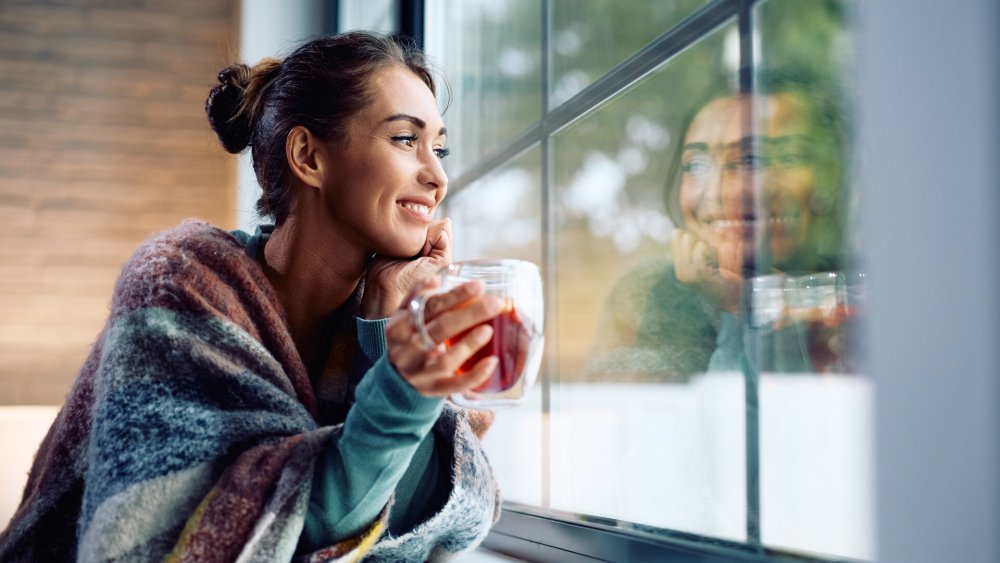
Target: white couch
column 22, row 429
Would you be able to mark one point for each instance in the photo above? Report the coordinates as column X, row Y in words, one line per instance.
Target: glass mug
column 518, row 331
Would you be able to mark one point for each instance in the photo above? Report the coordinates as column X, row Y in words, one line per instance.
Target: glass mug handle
column 417, row 306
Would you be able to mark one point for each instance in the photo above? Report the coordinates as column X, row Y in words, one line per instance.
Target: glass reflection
column 698, row 233
column 758, row 266
column 622, row 444
column 758, row 193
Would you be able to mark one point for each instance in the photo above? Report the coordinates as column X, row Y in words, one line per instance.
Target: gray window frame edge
column 536, row 534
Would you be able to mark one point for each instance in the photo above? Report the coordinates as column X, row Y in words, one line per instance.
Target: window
column 682, row 172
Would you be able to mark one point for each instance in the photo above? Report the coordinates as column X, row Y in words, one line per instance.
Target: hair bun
column 226, row 110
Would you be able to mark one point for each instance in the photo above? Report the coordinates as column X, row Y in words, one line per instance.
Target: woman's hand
column 450, row 316
column 389, row 279
column 715, row 273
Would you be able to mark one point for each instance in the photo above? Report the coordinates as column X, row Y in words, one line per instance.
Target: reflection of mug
column 827, row 306
column 517, row 331
column 824, row 307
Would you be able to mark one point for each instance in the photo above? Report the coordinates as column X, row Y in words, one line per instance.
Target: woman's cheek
column 689, row 200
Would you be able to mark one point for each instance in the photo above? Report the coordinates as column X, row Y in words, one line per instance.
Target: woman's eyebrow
column 420, row 123
column 695, row 146
column 795, row 137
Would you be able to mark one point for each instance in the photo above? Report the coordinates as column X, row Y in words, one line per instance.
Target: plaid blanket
column 190, row 433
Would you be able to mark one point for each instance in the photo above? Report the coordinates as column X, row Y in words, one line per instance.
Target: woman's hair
column 319, row 86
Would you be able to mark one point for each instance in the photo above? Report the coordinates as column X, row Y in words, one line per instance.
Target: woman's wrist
column 377, row 303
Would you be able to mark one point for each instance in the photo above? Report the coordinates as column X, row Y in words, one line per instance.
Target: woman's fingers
column 731, row 254
column 470, row 380
column 401, row 324
column 704, row 257
column 459, row 316
column 439, row 374
column 457, row 320
column 452, row 298
column 438, row 244
column 694, row 259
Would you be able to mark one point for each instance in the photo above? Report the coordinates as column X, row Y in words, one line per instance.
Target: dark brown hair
column 319, row 86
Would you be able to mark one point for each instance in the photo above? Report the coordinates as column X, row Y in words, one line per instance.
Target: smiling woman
column 267, row 396
column 388, row 169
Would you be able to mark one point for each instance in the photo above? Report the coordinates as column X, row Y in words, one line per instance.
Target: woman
column 267, row 397
column 756, row 187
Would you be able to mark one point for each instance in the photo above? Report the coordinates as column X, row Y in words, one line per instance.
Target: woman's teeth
column 417, row 208
column 749, row 223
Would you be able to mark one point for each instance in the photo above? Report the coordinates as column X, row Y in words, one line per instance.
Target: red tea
column 509, row 344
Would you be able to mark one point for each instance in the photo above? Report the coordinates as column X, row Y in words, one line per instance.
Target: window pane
column 638, row 433
column 375, row 15
column 815, row 410
column 586, row 43
column 499, row 216
column 491, row 50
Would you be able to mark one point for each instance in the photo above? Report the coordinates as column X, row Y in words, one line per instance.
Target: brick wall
column 103, row 141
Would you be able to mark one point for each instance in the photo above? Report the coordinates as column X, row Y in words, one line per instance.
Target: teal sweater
column 386, row 447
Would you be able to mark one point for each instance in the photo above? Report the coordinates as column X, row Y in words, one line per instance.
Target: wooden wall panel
column 103, row 141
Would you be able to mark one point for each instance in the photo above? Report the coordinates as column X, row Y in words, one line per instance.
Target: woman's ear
column 302, row 151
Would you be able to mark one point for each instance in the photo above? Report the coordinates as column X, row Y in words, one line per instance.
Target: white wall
column 22, row 429
column 268, row 29
column 930, row 99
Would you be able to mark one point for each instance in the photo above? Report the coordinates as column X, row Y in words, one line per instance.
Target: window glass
column 815, row 415
column 507, row 204
column 586, row 43
column 375, row 15
column 702, row 264
column 637, row 434
column 491, row 50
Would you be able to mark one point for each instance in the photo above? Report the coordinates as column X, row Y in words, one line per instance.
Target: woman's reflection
column 757, row 193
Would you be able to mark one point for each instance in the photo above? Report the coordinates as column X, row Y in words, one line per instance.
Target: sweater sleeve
column 371, row 339
column 357, row 474
column 425, row 486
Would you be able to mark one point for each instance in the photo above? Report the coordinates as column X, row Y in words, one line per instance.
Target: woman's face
column 724, row 163
column 387, row 178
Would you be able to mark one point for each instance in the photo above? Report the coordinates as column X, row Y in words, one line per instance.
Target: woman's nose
column 737, row 191
column 432, row 172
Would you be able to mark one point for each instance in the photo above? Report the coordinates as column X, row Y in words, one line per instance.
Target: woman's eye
column 753, row 161
column 698, row 166
column 442, row 152
column 407, row 140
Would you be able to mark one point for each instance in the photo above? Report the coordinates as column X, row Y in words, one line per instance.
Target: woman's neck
column 312, row 279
